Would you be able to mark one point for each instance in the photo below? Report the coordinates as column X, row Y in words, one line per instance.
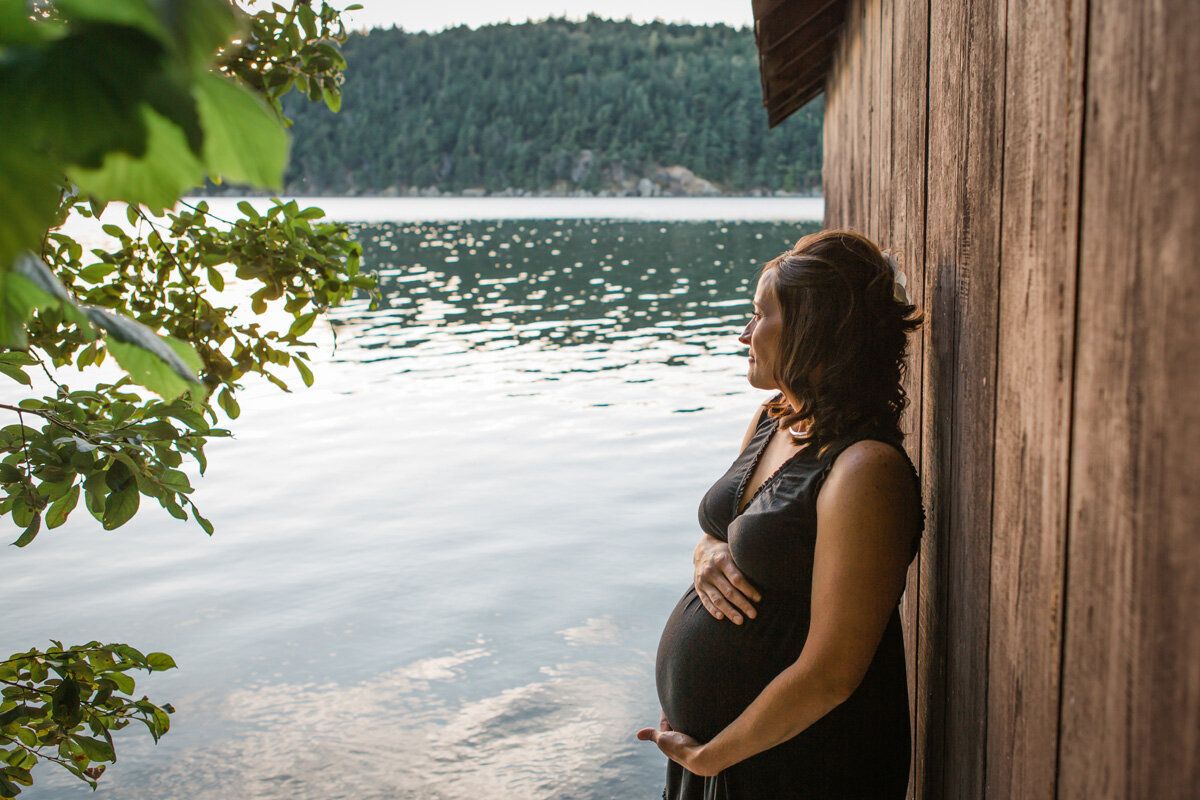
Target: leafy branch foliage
column 51, row 697
column 137, row 102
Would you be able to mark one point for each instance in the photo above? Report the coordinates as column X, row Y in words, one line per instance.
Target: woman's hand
column 679, row 747
column 720, row 585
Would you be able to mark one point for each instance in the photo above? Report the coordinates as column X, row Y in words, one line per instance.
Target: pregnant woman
column 781, row 671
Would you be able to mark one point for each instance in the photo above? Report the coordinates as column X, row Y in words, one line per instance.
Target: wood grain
column 963, row 226
column 879, row 60
column 1042, row 128
column 1130, row 722
column 904, row 215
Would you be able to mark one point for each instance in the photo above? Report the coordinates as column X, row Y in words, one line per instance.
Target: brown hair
column 845, row 337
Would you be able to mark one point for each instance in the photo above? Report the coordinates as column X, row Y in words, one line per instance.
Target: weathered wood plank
column 1042, row 128
column 963, row 227
column 1130, row 722
column 847, row 137
column 904, row 214
column 864, row 62
column 879, row 180
column 836, row 139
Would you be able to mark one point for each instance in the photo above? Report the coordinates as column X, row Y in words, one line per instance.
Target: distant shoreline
column 452, row 209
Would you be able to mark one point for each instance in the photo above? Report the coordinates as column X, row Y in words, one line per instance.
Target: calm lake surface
column 441, row 572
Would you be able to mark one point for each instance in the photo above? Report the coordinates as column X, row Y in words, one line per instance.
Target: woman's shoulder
column 878, row 467
column 869, row 457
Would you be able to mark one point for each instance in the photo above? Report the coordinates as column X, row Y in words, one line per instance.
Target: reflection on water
column 535, row 300
column 403, row 734
column 442, row 571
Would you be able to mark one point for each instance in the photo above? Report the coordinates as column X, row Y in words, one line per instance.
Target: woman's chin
column 758, row 381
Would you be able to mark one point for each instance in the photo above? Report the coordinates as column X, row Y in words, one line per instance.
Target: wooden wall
column 1035, row 164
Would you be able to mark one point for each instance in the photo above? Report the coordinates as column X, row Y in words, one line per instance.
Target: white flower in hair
column 900, row 294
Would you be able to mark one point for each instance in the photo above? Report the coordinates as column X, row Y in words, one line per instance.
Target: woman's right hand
column 720, row 585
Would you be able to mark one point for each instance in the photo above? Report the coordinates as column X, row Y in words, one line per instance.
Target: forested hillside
column 554, row 106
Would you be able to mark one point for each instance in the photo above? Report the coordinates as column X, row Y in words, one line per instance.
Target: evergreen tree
column 517, row 106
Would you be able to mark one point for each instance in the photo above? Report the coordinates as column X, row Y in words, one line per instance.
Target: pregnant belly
column 709, row 670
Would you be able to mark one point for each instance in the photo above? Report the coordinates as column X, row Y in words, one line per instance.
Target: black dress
column 708, row 671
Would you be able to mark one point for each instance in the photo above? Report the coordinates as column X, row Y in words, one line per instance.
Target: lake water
column 441, row 572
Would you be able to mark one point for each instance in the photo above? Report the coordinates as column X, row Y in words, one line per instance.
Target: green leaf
column 65, row 703
column 302, row 324
column 159, row 661
column 30, row 533
column 16, row 373
column 309, row 20
column 305, row 373
column 187, row 354
column 157, row 179
column 200, row 27
column 94, row 749
column 121, row 507
column 228, row 403
column 60, row 100
column 28, row 196
column 20, row 293
column 214, row 277
column 125, row 683
column 333, row 99
column 250, row 211
column 9, row 717
column 34, row 270
column 129, row 653
column 205, row 524
column 8, row 788
column 176, row 481
column 162, row 723
column 16, row 28
column 243, row 140
column 96, row 272
column 157, row 362
column 173, row 508
column 133, row 13
column 57, row 513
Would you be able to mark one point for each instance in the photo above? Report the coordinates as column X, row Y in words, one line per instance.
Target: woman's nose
column 744, row 338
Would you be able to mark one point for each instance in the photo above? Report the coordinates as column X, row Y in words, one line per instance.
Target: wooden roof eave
column 796, row 40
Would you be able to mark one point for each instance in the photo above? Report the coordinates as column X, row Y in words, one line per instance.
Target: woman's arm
column 720, row 585
column 866, row 521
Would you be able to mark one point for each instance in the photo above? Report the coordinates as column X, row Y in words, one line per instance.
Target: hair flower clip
column 900, row 281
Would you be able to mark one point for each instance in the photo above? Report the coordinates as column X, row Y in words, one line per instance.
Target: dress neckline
column 738, row 508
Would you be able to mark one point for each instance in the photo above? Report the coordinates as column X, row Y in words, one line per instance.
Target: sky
column 435, row 15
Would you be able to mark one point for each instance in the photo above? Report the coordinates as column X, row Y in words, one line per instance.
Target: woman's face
column 762, row 334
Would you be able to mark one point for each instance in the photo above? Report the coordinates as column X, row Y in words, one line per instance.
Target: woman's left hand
column 680, row 748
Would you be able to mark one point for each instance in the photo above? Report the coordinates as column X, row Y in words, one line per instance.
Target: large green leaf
column 157, row 179
column 122, row 505
column 244, row 142
column 32, row 268
column 25, row 285
column 171, row 95
column 59, row 103
column 16, row 28
column 28, row 196
column 200, row 27
column 134, row 13
column 151, row 360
